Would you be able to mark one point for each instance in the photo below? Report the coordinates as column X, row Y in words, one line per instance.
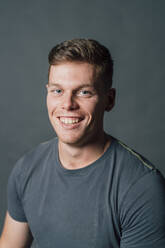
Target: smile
column 69, row 120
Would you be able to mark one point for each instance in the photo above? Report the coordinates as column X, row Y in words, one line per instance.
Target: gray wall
column 133, row 30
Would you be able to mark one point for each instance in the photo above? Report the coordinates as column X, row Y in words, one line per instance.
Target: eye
column 85, row 93
column 56, row 91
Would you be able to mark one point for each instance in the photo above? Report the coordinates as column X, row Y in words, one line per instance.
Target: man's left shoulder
column 132, row 159
column 130, row 167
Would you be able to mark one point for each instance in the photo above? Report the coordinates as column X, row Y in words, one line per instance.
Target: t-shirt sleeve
column 14, row 198
column 143, row 213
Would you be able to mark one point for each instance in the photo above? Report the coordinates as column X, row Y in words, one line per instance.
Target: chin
column 75, row 137
column 71, row 140
column 77, row 141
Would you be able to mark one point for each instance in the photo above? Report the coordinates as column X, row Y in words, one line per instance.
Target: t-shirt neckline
column 86, row 169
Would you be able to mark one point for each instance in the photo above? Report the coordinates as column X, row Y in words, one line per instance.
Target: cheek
column 97, row 112
column 93, row 109
column 51, row 104
column 96, row 106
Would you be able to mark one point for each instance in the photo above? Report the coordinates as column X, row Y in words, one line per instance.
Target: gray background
column 134, row 32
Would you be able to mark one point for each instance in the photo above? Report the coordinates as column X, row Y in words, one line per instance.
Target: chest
column 71, row 212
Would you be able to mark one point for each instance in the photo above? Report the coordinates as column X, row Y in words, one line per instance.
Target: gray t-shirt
column 117, row 201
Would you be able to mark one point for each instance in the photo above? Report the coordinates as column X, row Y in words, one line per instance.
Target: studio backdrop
column 134, row 33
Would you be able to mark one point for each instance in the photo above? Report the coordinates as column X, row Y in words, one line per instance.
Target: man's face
column 76, row 103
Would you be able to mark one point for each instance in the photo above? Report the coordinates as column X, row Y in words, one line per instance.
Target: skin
column 73, row 94
column 15, row 234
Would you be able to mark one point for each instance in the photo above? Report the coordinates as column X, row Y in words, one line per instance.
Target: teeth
column 69, row 120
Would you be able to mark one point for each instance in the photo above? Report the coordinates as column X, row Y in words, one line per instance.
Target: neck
column 72, row 157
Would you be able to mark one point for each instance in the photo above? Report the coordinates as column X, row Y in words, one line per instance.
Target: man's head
column 87, row 51
column 79, row 90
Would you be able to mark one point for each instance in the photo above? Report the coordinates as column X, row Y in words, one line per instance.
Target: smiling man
column 83, row 189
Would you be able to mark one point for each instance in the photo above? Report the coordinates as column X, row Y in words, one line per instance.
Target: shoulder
column 137, row 179
column 131, row 170
column 130, row 163
column 34, row 158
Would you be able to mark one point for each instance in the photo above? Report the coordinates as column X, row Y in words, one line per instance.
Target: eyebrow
column 80, row 87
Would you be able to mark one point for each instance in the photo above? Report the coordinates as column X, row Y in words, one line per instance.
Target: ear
column 47, row 86
column 111, row 93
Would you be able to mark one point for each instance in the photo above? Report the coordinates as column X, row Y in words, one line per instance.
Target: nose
column 69, row 102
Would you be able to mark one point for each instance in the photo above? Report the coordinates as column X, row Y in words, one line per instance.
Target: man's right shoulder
column 35, row 157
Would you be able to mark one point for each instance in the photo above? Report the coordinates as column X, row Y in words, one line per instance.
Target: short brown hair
column 85, row 50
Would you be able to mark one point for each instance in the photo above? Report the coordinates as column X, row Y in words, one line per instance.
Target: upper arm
column 143, row 214
column 15, row 234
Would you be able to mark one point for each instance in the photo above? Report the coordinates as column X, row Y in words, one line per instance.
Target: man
column 85, row 188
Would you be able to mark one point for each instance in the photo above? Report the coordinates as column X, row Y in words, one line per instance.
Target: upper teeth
column 69, row 120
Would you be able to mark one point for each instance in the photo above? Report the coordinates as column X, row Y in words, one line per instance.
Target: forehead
column 74, row 72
